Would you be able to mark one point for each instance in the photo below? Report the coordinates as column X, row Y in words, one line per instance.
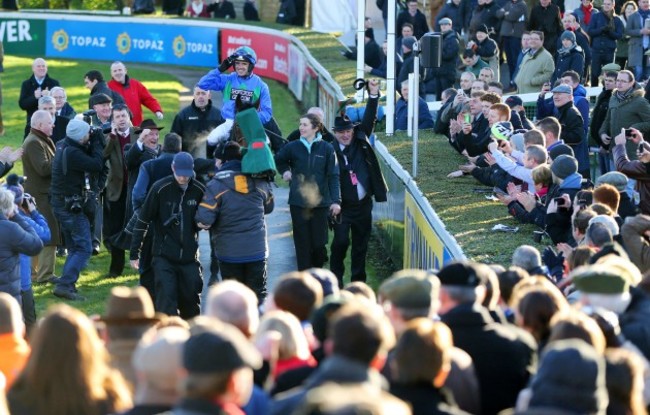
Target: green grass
column 468, row 216
column 166, row 88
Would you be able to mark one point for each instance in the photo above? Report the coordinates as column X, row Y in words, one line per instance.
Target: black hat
column 560, row 149
column 99, row 99
column 343, row 123
column 483, row 28
column 227, row 150
column 150, row 124
column 564, row 166
column 215, row 351
column 464, row 274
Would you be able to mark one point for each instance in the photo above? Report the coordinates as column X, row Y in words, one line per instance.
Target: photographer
column 170, row 208
column 634, row 169
column 77, row 157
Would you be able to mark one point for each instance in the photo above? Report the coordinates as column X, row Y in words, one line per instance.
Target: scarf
column 587, row 11
column 197, row 8
column 565, row 51
column 622, row 96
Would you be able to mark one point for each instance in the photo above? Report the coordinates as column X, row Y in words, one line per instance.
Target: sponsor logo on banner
column 272, row 52
column 23, row 36
column 423, row 248
column 150, row 43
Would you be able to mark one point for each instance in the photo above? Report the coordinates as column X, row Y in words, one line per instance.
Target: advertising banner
column 423, row 248
column 309, row 87
column 23, row 36
column 272, row 52
column 148, row 43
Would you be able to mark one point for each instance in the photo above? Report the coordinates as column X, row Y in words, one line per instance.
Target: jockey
column 241, row 83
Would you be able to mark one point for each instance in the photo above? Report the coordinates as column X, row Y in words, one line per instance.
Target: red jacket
column 135, row 95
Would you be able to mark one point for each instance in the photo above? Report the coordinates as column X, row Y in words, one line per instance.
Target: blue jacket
column 603, row 33
column 401, row 115
column 17, row 238
column 232, row 85
column 38, row 222
column 572, row 60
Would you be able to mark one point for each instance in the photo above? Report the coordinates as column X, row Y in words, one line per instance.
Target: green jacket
column 534, row 71
column 633, row 111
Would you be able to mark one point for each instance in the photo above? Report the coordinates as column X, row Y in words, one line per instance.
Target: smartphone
column 644, row 146
column 559, row 201
column 628, row 132
column 468, row 118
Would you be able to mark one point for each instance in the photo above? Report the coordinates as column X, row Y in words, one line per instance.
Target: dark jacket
column 573, row 133
column 71, row 162
column 583, row 41
column 504, row 357
column 477, row 140
column 459, row 15
column 419, row 22
column 27, row 101
column 287, row 13
column 514, row 24
column 193, row 124
column 636, row 170
column 425, row 120
column 337, row 369
column 234, row 205
column 224, row 10
column 547, row 20
column 316, row 167
column 361, row 152
column 133, row 158
column 604, row 32
column 558, row 224
column 598, row 116
column 327, row 136
column 485, row 14
column 635, row 321
column 571, row 60
column 250, row 12
column 425, row 399
column 449, row 55
column 102, row 88
column 18, row 237
column 170, row 210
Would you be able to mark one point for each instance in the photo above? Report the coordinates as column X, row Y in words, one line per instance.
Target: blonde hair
column 293, row 342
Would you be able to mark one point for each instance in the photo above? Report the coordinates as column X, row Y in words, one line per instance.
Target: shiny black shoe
column 61, row 252
column 95, row 250
column 68, row 295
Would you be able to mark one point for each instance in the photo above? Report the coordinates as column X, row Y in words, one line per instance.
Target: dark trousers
column 146, row 268
column 178, row 287
column 114, row 223
column 598, row 59
column 356, row 220
column 29, row 308
column 76, row 229
column 309, row 236
column 251, row 274
column 512, row 46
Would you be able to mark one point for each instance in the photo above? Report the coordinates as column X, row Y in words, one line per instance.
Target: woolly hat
column 513, row 101
column 483, row 28
column 464, row 274
column 77, row 130
column 501, row 130
column 615, row 178
column 571, row 377
column 560, row 149
column 564, row 166
column 445, row 20
column 567, row 34
column 409, row 41
column 600, row 279
column 14, row 185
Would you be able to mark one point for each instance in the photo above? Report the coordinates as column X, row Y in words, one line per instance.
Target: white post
column 390, row 70
column 361, row 33
column 414, row 97
column 410, row 108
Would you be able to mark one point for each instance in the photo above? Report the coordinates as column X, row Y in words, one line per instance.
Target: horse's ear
column 238, row 104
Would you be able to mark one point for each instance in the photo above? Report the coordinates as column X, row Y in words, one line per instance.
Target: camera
column 74, row 204
column 88, row 119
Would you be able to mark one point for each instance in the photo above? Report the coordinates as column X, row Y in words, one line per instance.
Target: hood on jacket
column 574, row 181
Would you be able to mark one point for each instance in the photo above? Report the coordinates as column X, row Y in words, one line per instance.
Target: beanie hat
column 571, row 378
column 560, row 149
column 567, row 34
column 501, row 130
column 615, row 178
column 564, row 166
column 608, row 221
column 513, row 101
column 77, row 130
column 409, row 41
column 14, row 185
column 483, row 28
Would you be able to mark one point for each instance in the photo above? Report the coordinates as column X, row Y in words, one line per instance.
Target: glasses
column 622, row 81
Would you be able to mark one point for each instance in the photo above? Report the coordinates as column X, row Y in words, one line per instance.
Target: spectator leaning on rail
column 241, row 84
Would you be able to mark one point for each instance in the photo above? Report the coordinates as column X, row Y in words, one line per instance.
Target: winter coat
column 17, row 238
column 635, row 321
column 635, row 45
column 426, row 399
column 571, row 60
column 39, row 224
column 135, row 95
column 574, row 134
column 514, row 23
column 633, row 111
column 579, row 13
column 634, row 169
column 535, row 69
column 170, row 210
column 598, row 116
column 316, row 167
column 38, row 156
column 485, row 14
column 459, row 15
column 604, row 33
column 114, row 154
column 558, row 224
column 636, row 244
column 234, row 205
column 193, row 124
column 490, row 345
column 547, row 20
column 425, row 120
column 101, row 87
column 419, row 22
